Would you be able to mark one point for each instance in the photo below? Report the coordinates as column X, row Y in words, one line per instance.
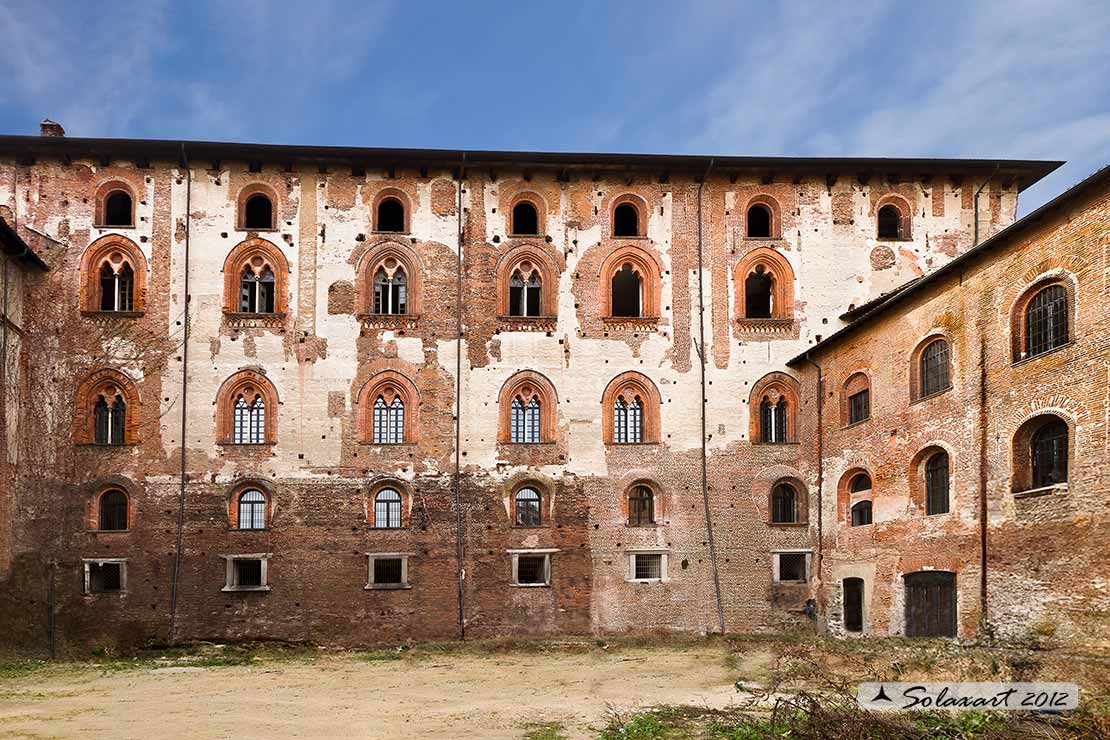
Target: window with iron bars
column 936, row 484
column 528, row 508
column 1049, row 449
column 934, row 368
column 784, row 504
column 525, row 422
column 532, row 570
column 387, row 509
column 772, row 421
column 252, row 510
column 1046, row 321
column 628, row 422
column 859, row 406
column 647, row 566
column 641, row 507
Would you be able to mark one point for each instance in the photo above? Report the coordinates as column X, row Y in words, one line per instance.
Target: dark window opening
column 1049, row 450
column 934, row 368
column 105, row 577
column 527, row 508
column 388, row 572
column 792, row 567
column 936, row 484
column 248, row 572
column 113, row 511
column 525, row 219
column 256, row 292
column 109, row 421
column 758, row 300
column 641, row 507
column 390, row 292
column 772, row 421
column 859, row 406
column 524, row 294
column 117, row 289
column 890, row 222
column 759, row 221
column 861, row 514
column 117, row 209
column 853, row 604
column 531, row 569
column 626, row 220
column 626, row 292
column 391, row 215
column 648, row 567
column 784, row 504
column 861, row 482
column 1046, row 321
column 258, row 213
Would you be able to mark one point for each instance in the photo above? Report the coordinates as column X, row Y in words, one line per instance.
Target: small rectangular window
column 388, row 570
column 103, row 577
column 859, row 406
column 648, row 566
column 792, row 567
column 532, row 570
column 247, row 573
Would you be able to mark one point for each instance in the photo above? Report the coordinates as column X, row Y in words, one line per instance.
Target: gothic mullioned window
column 389, row 421
column 250, row 421
column 388, row 409
column 527, row 406
column 630, row 410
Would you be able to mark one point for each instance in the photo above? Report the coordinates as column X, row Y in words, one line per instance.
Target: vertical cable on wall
column 459, row 573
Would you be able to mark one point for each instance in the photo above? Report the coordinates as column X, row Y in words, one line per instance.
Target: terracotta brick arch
column 401, row 197
column 628, row 487
column 527, row 384
column 628, row 386
column 403, row 489
column 916, row 473
column 642, row 213
column 857, row 382
column 100, row 198
column 845, row 497
column 905, row 212
column 1021, row 457
column 917, row 391
column 96, row 492
column 389, row 384
column 1058, row 277
column 529, row 259
column 241, row 487
column 774, row 210
column 647, row 266
column 765, row 260
column 245, row 194
column 773, row 387
column 115, row 251
column 248, row 382
column 256, row 254
column 391, row 256
column 538, row 203
column 107, row 382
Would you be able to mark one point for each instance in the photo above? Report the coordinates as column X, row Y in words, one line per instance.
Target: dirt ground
column 358, row 696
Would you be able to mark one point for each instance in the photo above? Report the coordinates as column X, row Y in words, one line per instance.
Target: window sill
column 859, row 526
column 631, row 444
column 531, row 526
column 387, row 586
column 120, row 592
column 113, row 226
column 530, row 585
column 246, row 446
column 773, row 325
column 542, row 443
column 1042, row 491
column 526, row 236
column 633, row 320
column 397, row 445
column 653, row 525
column 390, row 233
column 239, row 320
column 527, row 323
column 941, row 392
column 105, row 446
column 244, row 589
column 894, row 238
column 788, row 525
column 648, row 581
column 854, row 424
column 642, row 237
column 1024, row 360
column 103, row 315
column 791, row 583
column 775, row 444
column 109, row 531
column 258, row 229
column 761, row 238
column 241, row 529
column 389, row 320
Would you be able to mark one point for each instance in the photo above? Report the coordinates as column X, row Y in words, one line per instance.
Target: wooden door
column 931, row 604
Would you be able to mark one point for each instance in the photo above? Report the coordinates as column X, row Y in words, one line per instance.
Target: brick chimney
column 51, row 128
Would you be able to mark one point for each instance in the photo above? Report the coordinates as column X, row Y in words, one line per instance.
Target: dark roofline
column 1024, row 172
column 12, row 244
column 915, row 286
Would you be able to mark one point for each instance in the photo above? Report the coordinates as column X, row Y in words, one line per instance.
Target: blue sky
column 867, row 77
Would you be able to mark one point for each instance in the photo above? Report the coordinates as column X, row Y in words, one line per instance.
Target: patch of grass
column 543, row 731
column 20, row 668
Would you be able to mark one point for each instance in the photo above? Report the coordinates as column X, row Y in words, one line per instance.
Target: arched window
column 641, row 506
column 118, row 209
column 112, row 514
column 933, row 363
column 526, row 219
column 626, row 291
column 1046, row 320
column 855, row 399
column 936, row 484
column 252, row 509
column 117, row 288
column 390, row 292
column 258, row 212
column 526, row 409
column 524, row 293
column 1049, row 454
column 772, row 420
column 859, row 483
column 255, row 275
column 759, row 221
column 861, row 514
column 630, row 410
column 784, row 504
column 391, row 215
column 388, row 409
column 246, row 410
column 630, row 284
column 113, row 276
column 759, row 294
column 106, row 409
column 387, row 509
column 527, row 504
column 890, row 222
column 773, row 409
column 111, row 417
column 626, row 220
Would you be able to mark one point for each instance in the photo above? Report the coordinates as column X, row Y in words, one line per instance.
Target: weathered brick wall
column 321, row 353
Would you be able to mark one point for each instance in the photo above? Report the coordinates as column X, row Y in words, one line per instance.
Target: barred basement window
column 113, row 511
column 388, row 570
column 527, row 501
column 628, row 422
column 784, row 504
column 387, row 509
column 936, row 484
column 1049, row 451
column 641, row 507
column 647, row 566
column 390, row 292
column 247, row 573
column 109, row 420
column 859, row 407
column 531, row 569
column 249, row 425
column 252, row 510
column 525, row 421
column 791, row 567
column 105, row 576
column 389, row 421
column 1046, row 321
column 934, row 368
column 861, row 514
column 772, row 421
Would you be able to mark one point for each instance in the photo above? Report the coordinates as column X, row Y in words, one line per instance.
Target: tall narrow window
column 1046, row 321
column 257, row 291
column 758, row 294
column 117, row 209
column 389, row 421
column 1049, row 451
column 628, row 421
column 258, row 213
column 527, row 507
column 861, row 514
column 934, row 368
column 626, row 292
column 252, row 510
column 525, row 219
column 113, row 511
column 110, row 420
column 391, row 215
column 759, row 221
column 390, row 293
column 524, row 294
column 626, row 220
column 772, row 421
column 859, row 406
column 387, row 509
column 525, row 420
column 890, row 222
column 784, row 504
column 249, row 421
column 641, row 507
column 117, row 288
column 936, row 484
